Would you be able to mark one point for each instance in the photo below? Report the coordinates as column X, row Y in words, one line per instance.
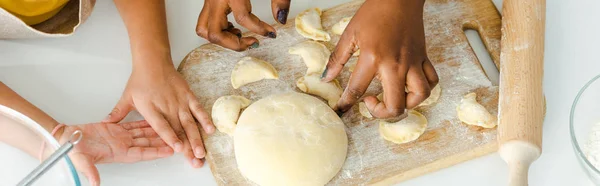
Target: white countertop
column 78, row 80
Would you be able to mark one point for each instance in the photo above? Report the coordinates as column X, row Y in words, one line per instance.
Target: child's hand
column 391, row 38
column 113, row 143
column 164, row 99
column 213, row 25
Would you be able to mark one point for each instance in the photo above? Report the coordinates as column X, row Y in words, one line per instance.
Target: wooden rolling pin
column 521, row 104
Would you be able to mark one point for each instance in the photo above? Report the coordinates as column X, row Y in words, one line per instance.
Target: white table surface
column 78, row 80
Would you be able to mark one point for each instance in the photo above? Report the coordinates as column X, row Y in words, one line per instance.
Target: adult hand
column 164, row 99
column 113, row 143
column 214, row 26
column 391, row 38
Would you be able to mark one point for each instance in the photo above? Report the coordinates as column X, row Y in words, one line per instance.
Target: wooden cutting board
column 370, row 160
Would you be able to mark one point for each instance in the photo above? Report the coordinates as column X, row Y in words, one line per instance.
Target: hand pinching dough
column 312, row 84
column 405, row 130
column 290, row 139
column 249, row 70
column 314, row 54
column 226, row 110
column 471, row 112
column 308, row 24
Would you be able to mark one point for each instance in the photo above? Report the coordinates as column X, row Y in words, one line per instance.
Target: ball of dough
column 225, row 112
column 405, row 130
column 308, row 24
column 471, row 112
column 249, row 70
column 290, row 139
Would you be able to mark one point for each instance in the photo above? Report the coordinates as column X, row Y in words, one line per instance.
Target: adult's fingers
column 242, row 11
column 280, row 8
column 192, row 132
column 135, row 154
column 201, row 115
column 418, row 87
column 394, row 95
column 202, row 25
column 340, row 55
column 148, row 142
column 218, row 33
column 430, row 73
column 121, row 110
column 187, row 147
column 146, row 132
column 163, row 129
column 135, row 124
column 357, row 84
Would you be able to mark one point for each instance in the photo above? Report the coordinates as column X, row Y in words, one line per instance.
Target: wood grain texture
column 370, row 160
column 522, row 103
column 521, row 72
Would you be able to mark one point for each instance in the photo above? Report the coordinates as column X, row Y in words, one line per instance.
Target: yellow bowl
column 33, row 11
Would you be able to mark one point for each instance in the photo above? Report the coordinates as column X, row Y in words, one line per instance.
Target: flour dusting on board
column 370, row 158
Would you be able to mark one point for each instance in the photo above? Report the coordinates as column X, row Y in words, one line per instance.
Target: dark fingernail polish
column 339, row 112
column 271, row 35
column 239, row 35
column 255, row 45
column 282, row 16
column 324, row 73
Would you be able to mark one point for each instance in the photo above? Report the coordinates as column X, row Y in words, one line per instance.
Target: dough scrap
column 471, row 112
column 226, row 110
column 314, row 54
column 340, row 26
column 249, row 70
column 436, row 92
column 364, row 111
column 312, row 84
column 308, row 24
column 405, row 130
column 290, row 139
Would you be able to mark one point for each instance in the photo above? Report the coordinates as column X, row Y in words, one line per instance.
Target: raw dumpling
column 226, row 110
column 308, row 24
column 364, row 111
column 312, row 84
column 249, row 70
column 339, row 27
column 405, row 130
column 290, row 139
column 471, row 112
column 314, row 54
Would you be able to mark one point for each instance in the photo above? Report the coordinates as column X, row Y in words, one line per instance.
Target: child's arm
column 155, row 89
column 101, row 142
